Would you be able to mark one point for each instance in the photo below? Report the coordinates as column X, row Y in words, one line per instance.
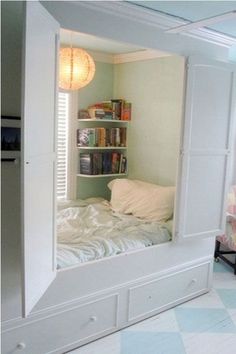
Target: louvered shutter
column 62, row 145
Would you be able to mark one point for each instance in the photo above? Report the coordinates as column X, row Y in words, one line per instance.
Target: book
column 126, row 112
column 86, row 137
column 86, row 164
column 102, row 137
column 83, row 137
column 83, row 114
column 115, row 162
column 92, row 137
column 123, row 134
column 120, row 162
column 100, row 113
column 117, row 105
column 96, row 163
column 106, row 163
column 123, row 165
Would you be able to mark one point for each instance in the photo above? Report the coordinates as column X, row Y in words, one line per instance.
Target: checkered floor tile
column 205, row 325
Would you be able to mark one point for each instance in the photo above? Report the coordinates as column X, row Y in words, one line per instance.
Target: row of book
column 115, row 109
column 101, row 137
column 102, row 163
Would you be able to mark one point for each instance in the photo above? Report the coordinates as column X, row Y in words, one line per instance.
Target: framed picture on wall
column 10, row 138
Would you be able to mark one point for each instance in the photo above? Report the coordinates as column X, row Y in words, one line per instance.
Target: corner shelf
column 102, row 154
column 103, row 120
column 99, row 176
column 102, row 147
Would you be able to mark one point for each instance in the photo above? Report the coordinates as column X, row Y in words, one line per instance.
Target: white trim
column 155, row 19
column 143, row 54
column 205, row 22
column 101, row 57
column 140, row 55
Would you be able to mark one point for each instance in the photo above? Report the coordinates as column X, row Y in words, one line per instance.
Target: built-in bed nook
column 129, row 242
column 134, row 209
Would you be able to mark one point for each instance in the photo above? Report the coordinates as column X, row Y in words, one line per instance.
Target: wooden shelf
column 103, row 120
column 99, row 176
column 102, row 148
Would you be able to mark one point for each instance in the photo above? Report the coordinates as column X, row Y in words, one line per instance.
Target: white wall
column 10, row 178
column 155, row 88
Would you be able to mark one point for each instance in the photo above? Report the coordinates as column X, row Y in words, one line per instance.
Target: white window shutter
column 40, row 67
column 204, row 159
column 62, row 145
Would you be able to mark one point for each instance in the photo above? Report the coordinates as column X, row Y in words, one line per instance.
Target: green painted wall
column 100, row 89
column 155, row 88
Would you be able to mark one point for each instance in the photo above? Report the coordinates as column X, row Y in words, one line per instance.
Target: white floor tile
column 224, row 281
column 209, row 300
column 106, row 345
column 164, row 322
column 232, row 313
column 196, row 343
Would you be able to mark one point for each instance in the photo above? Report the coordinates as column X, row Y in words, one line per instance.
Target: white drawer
column 65, row 328
column 153, row 295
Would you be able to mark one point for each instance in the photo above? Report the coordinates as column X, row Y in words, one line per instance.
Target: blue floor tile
column 222, row 267
column 151, row 343
column 228, row 297
column 204, row 320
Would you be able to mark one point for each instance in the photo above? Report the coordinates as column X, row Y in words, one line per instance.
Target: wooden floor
column 205, row 325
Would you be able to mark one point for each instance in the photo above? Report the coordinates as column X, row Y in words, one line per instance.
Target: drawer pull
column 93, row 319
column 21, row 346
column 193, row 281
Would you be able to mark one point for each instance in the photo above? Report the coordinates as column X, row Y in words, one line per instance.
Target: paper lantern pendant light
column 77, row 68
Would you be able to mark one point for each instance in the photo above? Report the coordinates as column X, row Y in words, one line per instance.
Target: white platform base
column 57, row 326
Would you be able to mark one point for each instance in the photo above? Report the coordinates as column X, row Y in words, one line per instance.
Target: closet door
column 205, row 149
column 38, row 152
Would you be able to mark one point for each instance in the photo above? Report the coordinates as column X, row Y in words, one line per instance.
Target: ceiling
column 195, row 11
column 190, row 11
column 94, row 43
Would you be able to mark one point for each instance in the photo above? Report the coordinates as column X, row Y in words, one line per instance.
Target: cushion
column 143, row 200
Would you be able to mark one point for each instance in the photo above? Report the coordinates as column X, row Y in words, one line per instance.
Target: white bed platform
column 92, row 300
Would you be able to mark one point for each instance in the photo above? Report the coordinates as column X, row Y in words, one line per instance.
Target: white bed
column 90, row 230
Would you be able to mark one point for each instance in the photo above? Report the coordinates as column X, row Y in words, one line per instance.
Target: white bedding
column 90, row 230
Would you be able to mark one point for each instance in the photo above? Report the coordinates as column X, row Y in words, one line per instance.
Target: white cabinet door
column 39, row 159
column 205, row 149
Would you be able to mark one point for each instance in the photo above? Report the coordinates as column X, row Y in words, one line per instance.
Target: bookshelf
column 102, row 148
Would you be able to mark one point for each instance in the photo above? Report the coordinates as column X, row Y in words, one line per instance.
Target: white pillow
column 143, row 200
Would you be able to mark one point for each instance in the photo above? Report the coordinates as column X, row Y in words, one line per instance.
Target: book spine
column 83, row 137
column 126, row 113
column 92, row 137
column 117, row 106
column 117, row 140
column 86, row 164
column 123, row 136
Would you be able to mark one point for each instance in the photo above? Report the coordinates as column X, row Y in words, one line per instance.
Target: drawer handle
column 21, row 346
column 193, row 281
column 93, row 319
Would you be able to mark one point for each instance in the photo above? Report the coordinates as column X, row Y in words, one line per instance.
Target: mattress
column 89, row 230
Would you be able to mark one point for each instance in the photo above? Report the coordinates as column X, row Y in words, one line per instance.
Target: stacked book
column 101, row 137
column 115, row 109
column 98, row 163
